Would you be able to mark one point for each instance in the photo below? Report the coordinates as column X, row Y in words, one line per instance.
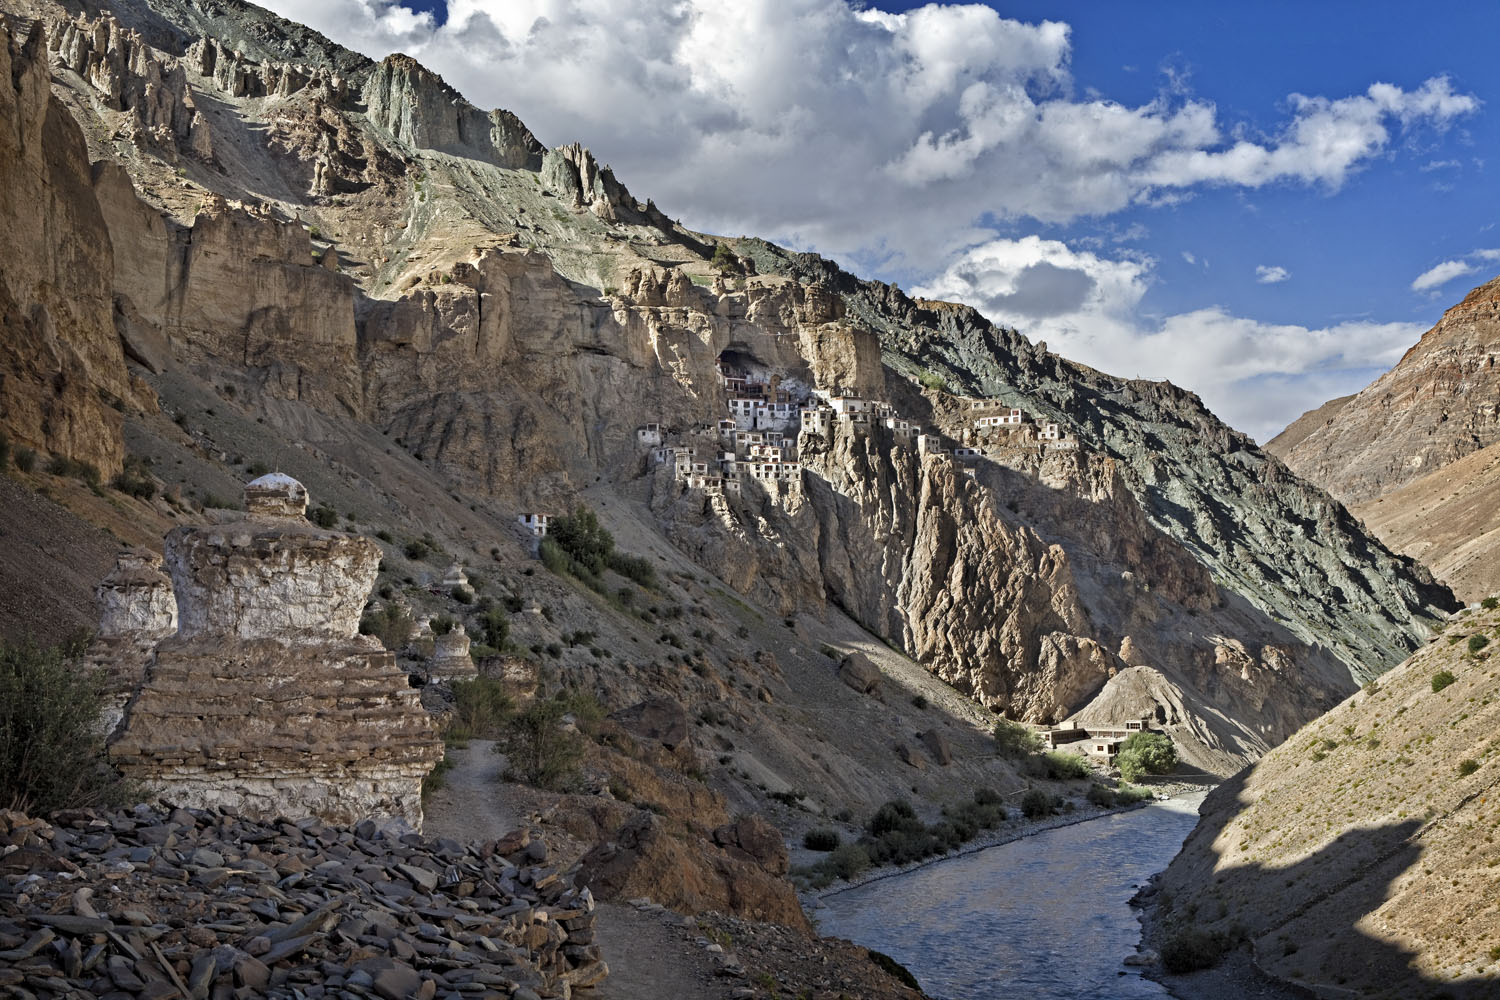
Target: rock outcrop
column 415, row 106
column 267, row 699
column 60, row 360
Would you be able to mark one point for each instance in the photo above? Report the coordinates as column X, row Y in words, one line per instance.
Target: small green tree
column 725, row 260
column 1145, row 753
column 494, row 626
column 582, row 539
column 540, row 750
column 1442, row 679
column 1016, row 739
column 1478, row 642
column 51, row 743
column 481, row 708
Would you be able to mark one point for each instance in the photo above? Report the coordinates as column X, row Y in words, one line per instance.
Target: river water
column 1046, row 917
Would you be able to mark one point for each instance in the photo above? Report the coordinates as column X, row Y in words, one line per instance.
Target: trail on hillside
column 471, row 804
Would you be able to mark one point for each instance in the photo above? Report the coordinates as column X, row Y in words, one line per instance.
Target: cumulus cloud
column 1441, row 274
column 1271, row 274
column 891, row 137
column 1257, row 376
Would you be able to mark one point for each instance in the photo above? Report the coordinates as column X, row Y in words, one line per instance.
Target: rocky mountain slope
column 1359, row 856
column 307, row 255
column 1392, row 450
column 1439, row 403
column 1449, row 520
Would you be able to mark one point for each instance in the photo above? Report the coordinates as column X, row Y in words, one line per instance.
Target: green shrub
column 987, row 797
column 1467, row 767
column 25, row 459
column 481, row 708
column 135, row 480
column 1193, row 949
column 392, row 625
column 846, row 861
column 442, row 624
column 822, row 839
column 324, row 516
column 85, row 472
column 724, row 259
column 1478, row 642
column 494, row 628
column 1037, row 803
column 919, row 701
column 1442, row 679
column 585, row 541
column 51, row 743
column 257, row 469
column 1015, row 739
column 1490, row 603
column 539, row 749
column 463, row 595
column 1100, row 795
column 637, row 568
column 417, row 549
column 932, row 380
column 1145, row 753
column 1064, row 766
column 896, row 814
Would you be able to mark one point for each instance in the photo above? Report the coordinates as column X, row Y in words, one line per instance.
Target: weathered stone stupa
column 267, row 698
column 137, row 611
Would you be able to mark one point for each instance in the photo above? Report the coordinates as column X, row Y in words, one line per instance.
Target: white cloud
column 1257, row 376
column 857, row 131
column 1272, row 274
column 1441, row 274
column 1432, row 165
column 1189, row 257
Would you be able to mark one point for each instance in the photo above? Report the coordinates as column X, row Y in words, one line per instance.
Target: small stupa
column 267, row 698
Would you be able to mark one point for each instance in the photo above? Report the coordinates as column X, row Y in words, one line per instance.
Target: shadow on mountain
column 1303, row 922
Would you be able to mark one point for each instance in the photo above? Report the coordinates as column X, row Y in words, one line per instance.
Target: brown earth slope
column 1359, row 857
column 1448, row 519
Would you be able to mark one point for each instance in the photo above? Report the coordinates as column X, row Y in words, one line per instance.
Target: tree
column 725, row 259
column 1016, row 739
column 583, row 539
column 392, row 625
column 1146, row 753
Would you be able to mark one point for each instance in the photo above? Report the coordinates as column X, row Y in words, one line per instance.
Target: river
column 1046, row 917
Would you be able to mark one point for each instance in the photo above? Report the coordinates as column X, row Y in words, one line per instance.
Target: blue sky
column 1137, row 184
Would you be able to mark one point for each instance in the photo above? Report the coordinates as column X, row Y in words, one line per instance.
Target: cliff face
column 60, row 359
column 1356, row 856
column 1439, row 403
column 420, row 273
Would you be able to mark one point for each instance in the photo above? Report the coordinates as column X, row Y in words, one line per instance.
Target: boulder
column 661, row 718
column 937, row 745
column 755, row 839
column 860, row 672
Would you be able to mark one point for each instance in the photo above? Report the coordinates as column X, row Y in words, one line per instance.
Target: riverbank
column 1014, row 830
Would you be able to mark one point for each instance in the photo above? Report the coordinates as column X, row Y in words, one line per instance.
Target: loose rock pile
column 193, row 903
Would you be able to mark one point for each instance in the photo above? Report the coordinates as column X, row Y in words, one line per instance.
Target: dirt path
column 471, row 805
column 649, row 953
column 651, row 956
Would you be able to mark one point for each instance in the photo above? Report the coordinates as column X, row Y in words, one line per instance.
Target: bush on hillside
column 1442, row 679
column 1016, row 739
column 1490, row 603
column 25, row 459
column 392, row 625
column 442, row 624
column 1192, row 950
column 539, row 748
column 822, row 839
column 85, row 472
column 1478, row 642
column 51, row 744
column 1145, row 753
column 324, row 516
column 481, row 708
column 1467, row 767
column 1037, row 803
column 1065, row 766
column 135, row 480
